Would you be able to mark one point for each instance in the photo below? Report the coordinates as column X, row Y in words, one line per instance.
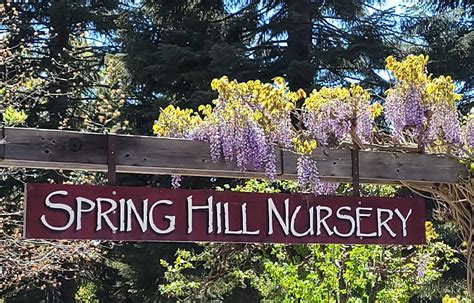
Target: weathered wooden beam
column 55, row 149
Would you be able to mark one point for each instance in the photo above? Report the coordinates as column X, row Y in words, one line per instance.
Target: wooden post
column 355, row 172
column 111, row 161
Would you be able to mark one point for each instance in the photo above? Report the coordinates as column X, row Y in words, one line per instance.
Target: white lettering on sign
column 104, row 215
column 347, row 218
column 359, row 216
column 55, row 205
column 304, row 220
column 404, row 221
column 80, row 210
column 272, row 210
column 218, row 217
column 322, row 221
column 245, row 230
column 108, row 214
column 172, row 219
column 293, row 221
column 209, row 208
column 143, row 219
column 384, row 223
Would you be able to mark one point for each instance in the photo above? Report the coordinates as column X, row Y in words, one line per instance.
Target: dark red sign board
column 55, row 211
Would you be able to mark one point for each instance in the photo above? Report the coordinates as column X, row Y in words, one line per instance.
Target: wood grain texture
column 38, row 148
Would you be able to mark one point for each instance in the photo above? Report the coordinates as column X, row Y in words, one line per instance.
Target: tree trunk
column 297, row 56
column 68, row 286
column 59, row 43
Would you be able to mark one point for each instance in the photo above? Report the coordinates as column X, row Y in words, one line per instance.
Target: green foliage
column 259, row 186
column 310, row 273
column 12, row 117
column 87, row 293
column 185, row 280
column 368, row 190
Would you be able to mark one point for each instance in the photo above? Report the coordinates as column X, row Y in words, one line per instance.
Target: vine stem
column 458, row 201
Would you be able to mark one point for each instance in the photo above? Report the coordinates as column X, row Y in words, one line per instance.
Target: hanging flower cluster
column 307, row 168
column 420, row 104
column 250, row 119
column 332, row 114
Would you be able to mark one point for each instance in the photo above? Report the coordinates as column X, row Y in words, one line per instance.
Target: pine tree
column 174, row 48
column 48, row 74
column 445, row 34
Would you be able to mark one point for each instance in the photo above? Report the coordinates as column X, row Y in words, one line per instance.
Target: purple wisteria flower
column 246, row 144
column 431, row 121
column 404, row 110
column 333, row 118
column 421, row 268
column 443, row 123
column 308, row 175
column 176, row 181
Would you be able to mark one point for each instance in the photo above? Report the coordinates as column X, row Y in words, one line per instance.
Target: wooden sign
column 55, row 211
